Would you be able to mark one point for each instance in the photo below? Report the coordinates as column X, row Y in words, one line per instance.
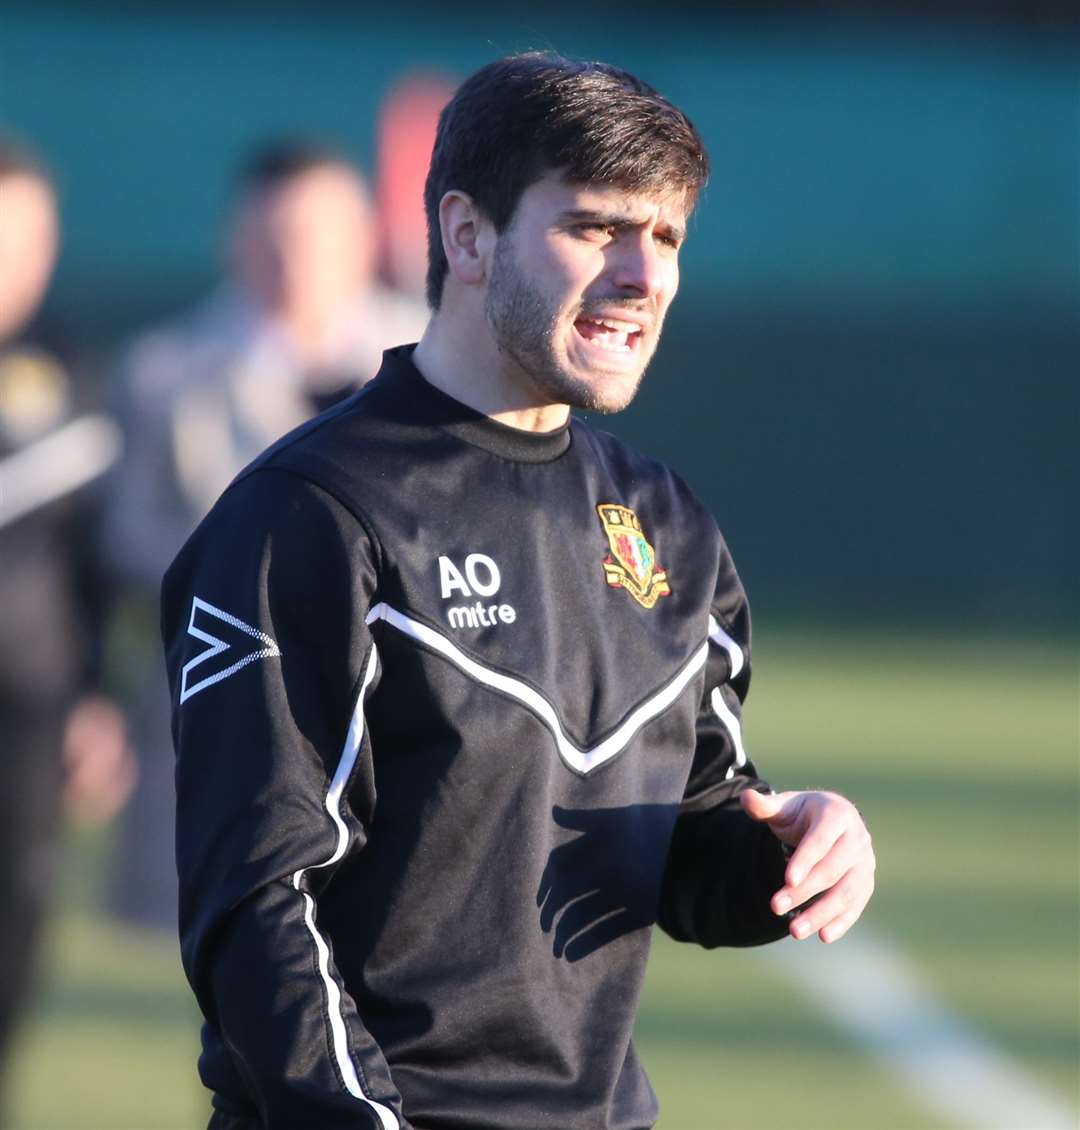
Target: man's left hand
column 833, row 859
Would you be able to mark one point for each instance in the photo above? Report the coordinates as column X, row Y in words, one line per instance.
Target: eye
column 669, row 239
column 594, row 229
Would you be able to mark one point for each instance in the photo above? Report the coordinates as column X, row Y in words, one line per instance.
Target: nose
column 638, row 268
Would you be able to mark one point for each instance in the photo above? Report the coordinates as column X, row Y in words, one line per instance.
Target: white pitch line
column 877, row 994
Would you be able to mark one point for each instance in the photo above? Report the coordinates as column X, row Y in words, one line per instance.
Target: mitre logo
column 480, row 577
column 631, row 564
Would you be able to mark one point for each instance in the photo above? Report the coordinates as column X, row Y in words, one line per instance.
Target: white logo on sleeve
column 480, row 577
column 237, row 644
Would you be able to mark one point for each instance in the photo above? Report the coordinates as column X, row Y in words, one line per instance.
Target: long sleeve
column 270, row 663
column 722, row 867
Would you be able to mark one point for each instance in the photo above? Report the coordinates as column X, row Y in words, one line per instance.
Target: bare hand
column 833, row 858
column 99, row 765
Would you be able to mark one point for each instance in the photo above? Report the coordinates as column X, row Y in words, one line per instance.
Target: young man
column 457, row 680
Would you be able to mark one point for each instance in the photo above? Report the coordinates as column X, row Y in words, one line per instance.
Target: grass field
column 962, row 755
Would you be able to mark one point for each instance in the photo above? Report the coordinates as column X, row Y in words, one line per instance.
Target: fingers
column 832, row 915
column 829, row 818
column 828, row 871
column 783, row 812
column 822, row 876
column 760, row 806
column 830, row 875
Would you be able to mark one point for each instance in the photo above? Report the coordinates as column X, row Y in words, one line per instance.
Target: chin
column 608, row 405
column 604, row 394
column 598, row 387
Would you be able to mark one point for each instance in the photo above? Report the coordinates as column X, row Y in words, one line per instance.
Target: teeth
column 617, row 326
column 613, row 341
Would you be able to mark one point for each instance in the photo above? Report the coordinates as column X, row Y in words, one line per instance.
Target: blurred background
column 870, row 375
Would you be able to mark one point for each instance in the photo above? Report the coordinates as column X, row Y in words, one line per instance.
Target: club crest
column 631, row 564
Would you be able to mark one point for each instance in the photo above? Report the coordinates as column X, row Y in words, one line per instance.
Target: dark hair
column 272, row 164
column 18, row 158
column 520, row 117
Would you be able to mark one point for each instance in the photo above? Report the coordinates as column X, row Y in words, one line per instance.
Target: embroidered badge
column 631, row 564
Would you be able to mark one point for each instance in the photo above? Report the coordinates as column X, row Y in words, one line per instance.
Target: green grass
column 962, row 755
column 728, row 1043
column 113, row 1042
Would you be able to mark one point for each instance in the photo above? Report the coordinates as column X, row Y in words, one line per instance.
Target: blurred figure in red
column 300, row 323
column 47, row 453
column 408, row 118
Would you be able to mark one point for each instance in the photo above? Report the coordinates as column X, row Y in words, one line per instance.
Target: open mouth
column 610, row 333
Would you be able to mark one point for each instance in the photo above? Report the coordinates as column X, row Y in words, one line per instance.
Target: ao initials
column 480, row 578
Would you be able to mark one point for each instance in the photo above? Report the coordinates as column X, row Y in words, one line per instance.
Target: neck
column 460, row 358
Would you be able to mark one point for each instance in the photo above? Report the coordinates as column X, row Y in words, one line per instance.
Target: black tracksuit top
column 456, row 711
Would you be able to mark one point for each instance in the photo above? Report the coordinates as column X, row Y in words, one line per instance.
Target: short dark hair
column 274, row 163
column 522, row 116
column 17, row 158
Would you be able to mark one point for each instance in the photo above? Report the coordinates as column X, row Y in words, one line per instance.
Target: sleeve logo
column 631, row 564
column 224, row 656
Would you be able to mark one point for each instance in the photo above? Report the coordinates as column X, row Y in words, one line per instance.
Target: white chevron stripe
column 734, row 728
column 722, row 639
column 580, row 760
column 353, row 741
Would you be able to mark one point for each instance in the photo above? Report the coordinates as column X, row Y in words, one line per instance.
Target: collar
column 425, row 402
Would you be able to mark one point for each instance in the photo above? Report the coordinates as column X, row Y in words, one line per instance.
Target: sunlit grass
column 112, row 1044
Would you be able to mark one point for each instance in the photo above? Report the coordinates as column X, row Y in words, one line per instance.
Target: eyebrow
column 617, row 220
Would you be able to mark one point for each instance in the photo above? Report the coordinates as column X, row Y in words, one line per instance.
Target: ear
column 467, row 236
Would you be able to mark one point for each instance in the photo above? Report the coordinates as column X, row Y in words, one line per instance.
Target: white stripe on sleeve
column 733, row 727
column 353, row 742
column 722, row 639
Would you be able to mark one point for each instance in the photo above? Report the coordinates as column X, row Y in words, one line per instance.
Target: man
column 48, row 721
column 457, row 679
column 300, row 322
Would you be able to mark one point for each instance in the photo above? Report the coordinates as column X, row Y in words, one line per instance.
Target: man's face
column 28, row 245
column 307, row 245
column 580, row 283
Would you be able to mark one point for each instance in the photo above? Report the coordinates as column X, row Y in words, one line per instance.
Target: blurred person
column 56, row 740
column 299, row 323
column 408, row 117
column 457, row 679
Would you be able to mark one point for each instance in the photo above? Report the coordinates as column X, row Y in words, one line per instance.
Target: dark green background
column 870, row 373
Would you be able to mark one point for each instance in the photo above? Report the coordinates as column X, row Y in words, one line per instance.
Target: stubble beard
column 525, row 328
